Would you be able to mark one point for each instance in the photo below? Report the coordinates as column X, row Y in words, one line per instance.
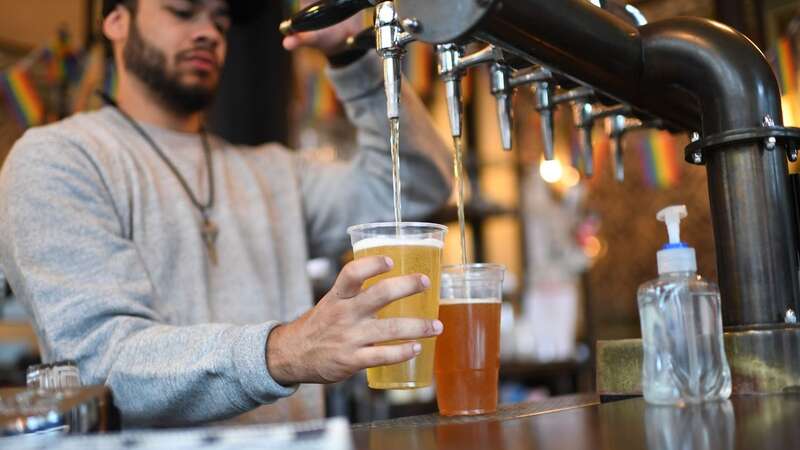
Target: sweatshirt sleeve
column 90, row 296
column 337, row 195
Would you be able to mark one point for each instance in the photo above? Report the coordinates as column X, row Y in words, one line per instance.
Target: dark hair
column 110, row 5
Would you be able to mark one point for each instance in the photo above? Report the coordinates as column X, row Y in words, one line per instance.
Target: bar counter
column 582, row 422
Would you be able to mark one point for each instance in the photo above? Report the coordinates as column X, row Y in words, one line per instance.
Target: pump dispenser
column 684, row 358
column 675, row 256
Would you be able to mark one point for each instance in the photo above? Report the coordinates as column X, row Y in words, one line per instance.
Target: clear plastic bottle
column 684, row 356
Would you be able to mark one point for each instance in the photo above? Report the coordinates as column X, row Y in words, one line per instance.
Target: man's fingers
column 392, row 289
column 304, row 39
column 404, row 328
column 291, row 42
column 382, row 355
column 354, row 273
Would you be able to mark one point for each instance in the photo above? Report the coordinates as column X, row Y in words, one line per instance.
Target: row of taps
column 390, row 36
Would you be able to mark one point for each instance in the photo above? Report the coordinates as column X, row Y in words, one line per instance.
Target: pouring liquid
column 394, row 142
column 458, row 171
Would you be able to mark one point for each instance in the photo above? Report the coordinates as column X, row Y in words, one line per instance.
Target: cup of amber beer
column 414, row 248
column 468, row 351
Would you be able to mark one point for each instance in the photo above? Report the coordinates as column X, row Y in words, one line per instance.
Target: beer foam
column 368, row 243
column 468, row 301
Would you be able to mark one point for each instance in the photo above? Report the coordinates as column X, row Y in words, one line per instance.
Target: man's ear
column 116, row 24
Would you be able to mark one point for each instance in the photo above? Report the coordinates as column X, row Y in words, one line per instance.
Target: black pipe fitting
column 752, row 203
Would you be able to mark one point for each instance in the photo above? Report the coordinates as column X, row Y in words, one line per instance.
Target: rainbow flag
column 784, row 65
column 660, row 159
column 24, row 101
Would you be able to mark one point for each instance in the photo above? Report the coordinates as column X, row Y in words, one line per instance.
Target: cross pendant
column 210, row 232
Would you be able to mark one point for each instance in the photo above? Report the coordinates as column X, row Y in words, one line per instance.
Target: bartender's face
column 177, row 48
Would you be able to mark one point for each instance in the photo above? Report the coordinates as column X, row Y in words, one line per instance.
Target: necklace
column 209, row 229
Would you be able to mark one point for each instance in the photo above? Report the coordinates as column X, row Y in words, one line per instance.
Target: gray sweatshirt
column 103, row 246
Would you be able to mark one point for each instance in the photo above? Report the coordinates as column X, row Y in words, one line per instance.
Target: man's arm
column 84, row 283
column 360, row 190
column 64, row 250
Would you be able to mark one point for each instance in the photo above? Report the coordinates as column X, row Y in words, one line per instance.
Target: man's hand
column 331, row 40
column 337, row 337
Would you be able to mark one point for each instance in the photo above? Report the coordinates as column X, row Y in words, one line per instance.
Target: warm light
column 592, row 247
column 571, row 177
column 551, row 171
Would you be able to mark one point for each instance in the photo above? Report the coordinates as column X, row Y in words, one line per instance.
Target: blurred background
column 575, row 249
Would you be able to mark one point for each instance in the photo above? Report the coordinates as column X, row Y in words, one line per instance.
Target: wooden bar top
column 581, row 422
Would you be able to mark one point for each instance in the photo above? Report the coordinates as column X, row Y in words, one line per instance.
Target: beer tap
column 390, row 42
column 583, row 115
column 544, row 90
column 503, row 92
column 503, row 85
column 618, row 116
column 583, row 97
column 451, row 68
column 617, row 123
column 617, row 126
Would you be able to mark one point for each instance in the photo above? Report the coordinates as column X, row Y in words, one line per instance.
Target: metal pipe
column 751, row 199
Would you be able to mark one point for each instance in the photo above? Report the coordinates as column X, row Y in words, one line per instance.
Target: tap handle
column 322, row 14
column 588, row 150
column 546, row 120
column 452, row 89
column 584, row 121
column 617, row 127
column 392, row 80
column 363, row 40
column 616, row 150
column 505, row 117
column 503, row 92
column 545, row 107
column 448, row 56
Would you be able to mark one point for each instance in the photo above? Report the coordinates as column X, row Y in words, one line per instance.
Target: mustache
column 205, row 51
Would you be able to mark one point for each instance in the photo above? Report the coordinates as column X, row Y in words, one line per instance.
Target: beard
column 149, row 65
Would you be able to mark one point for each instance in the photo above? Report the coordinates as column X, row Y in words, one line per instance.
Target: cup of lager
column 414, row 248
column 468, row 351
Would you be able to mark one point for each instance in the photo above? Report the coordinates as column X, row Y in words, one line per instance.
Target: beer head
column 469, row 301
column 396, row 233
column 369, row 243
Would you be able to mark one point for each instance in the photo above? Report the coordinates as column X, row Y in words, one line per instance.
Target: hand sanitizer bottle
column 684, row 357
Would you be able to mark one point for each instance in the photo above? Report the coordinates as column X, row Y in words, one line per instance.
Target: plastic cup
column 468, row 351
column 414, row 248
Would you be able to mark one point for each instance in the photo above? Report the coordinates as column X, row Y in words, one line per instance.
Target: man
column 171, row 265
